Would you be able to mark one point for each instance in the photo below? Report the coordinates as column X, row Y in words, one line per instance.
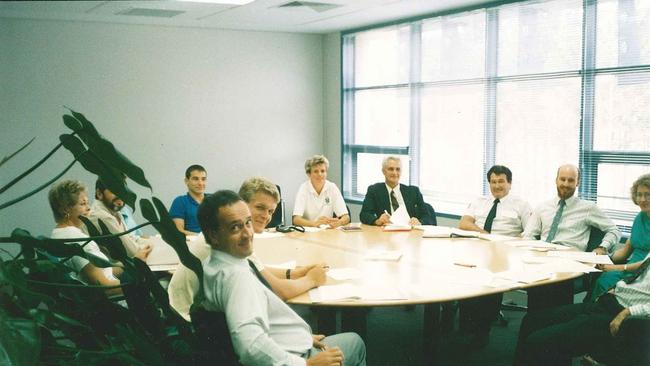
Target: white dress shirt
column 78, row 263
column 511, row 217
column 635, row 295
column 264, row 330
column 575, row 224
column 115, row 224
column 312, row 205
column 398, row 196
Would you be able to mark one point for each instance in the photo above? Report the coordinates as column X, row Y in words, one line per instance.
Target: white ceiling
column 260, row 15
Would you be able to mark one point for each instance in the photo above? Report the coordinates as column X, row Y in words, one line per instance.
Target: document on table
column 524, row 276
column 559, row 265
column 349, row 292
column 383, row 255
column 268, row 234
column 400, row 216
column 161, row 254
column 396, row 228
column 537, row 245
column 585, row 257
column 310, row 229
column 342, row 274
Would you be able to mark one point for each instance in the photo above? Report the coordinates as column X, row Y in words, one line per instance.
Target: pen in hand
column 468, row 265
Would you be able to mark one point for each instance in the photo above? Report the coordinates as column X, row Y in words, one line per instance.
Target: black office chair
column 213, row 338
column 431, row 212
column 278, row 215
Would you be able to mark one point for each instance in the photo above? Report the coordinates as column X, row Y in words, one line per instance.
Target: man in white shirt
column 106, row 207
column 567, row 219
column 264, row 330
column 510, row 215
column 502, row 214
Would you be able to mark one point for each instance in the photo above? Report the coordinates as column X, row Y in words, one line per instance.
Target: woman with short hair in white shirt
column 319, row 201
column 69, row 200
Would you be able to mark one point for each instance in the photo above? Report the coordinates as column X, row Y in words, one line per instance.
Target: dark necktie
column 490, row 217
column 642, row 268
column 259, row 275
column 393, row 200
column 556, row 222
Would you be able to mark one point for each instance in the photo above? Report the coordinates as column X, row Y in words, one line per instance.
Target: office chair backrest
column 431, row 212
column 278, row 215
column 213, row 338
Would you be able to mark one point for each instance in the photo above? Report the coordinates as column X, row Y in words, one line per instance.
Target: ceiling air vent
column 316, row 6
column 154, row 13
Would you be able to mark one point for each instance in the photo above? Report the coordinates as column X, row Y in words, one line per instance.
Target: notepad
column 392, row 227
column 584, row 257
column 351, row 227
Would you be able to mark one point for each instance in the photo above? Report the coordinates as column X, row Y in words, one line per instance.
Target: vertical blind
column 530, row 85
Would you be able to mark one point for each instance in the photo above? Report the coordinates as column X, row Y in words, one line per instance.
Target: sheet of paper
column 400, row 216
column 383, row 255
column 342, row 274
column 524, row 276
column 584, row 257
column 560, row 265
column 496, row 237
column 396, row 228
column 309, row 229
column 327, row 293
column 161, row 253
column 537, row 245
column 437, row 232
column 268, row 234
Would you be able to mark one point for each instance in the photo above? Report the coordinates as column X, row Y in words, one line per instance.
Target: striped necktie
column 393, row 200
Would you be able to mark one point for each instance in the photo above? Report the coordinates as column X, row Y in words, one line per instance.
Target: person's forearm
column 299, row 220
column 468, row 224
column 621, row 255
column 288, row 289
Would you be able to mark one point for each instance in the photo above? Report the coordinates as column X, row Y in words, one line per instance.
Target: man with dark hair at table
column 107, row 207
column 183, row 208
column 552, row 336
column 383, row 199
column 264, row 330
column 503, row 214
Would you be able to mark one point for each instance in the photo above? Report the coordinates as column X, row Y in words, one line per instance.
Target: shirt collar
column 396, row 189
column 312, row 190
column 569, row 201
column 223, row 257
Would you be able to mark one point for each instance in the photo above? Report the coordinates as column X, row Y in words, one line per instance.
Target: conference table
column 429, row 272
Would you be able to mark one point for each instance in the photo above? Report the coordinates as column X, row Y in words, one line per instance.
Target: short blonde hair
column 643, row 180
column 316, row 160
column 63, row 196
column 258, row 184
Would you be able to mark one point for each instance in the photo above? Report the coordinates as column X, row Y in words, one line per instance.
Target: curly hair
column 258, row 184
column 643, row 180
column 316, row 160
column 63, row 196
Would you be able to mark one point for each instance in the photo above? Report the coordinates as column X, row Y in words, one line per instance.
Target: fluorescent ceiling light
column 222, row 2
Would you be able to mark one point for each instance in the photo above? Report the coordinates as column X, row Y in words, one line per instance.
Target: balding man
column 567, row 219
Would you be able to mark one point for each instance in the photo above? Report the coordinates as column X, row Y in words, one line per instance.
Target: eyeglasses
column 645, row 195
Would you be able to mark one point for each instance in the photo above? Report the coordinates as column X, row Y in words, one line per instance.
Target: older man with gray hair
column 383, row 199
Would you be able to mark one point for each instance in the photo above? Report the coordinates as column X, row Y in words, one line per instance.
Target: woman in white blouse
column 69, row 200
column 319, row 201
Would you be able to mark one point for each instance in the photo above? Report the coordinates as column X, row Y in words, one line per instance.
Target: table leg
column 430, row 334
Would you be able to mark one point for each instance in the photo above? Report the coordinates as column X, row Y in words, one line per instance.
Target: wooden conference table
column 427, row 273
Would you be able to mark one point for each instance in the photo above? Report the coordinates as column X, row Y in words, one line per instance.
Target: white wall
column 239, row 103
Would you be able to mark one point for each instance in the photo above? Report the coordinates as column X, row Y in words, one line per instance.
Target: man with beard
column 107, row 207
column 567, row 220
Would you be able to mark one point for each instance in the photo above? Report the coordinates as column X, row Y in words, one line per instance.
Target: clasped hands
column 329, row 356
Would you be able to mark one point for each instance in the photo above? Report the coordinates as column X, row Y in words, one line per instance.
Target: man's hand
column 384, row 219
column 414, row 221
column 600, row 251
column 606, row 267
column 615, row 324
column 317, row 275
column 323, row 221
column 329, row 357
column 317, row 338
column 143, row 253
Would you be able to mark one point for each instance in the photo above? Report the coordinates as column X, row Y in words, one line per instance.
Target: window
column 530, row 85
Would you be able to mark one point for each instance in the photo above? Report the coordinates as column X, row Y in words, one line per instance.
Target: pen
column 386, row 212
column 465, row 265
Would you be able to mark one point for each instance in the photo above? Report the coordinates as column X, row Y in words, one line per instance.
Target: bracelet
column 288, row 273
column 625, row 268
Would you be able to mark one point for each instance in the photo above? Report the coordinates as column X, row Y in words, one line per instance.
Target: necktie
column 393, row 200
column 556, row 222
column 642, row 268
column 490, row 217
column 259, row 275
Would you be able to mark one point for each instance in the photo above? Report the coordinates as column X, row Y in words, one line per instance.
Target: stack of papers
column 452, row 232
column 538, row 245
column 584, row 257
column 393, row 227
column 383, row 255
column 349, row 292
column 401, row 217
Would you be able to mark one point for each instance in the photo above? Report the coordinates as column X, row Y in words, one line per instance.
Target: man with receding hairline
column 567, row 219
